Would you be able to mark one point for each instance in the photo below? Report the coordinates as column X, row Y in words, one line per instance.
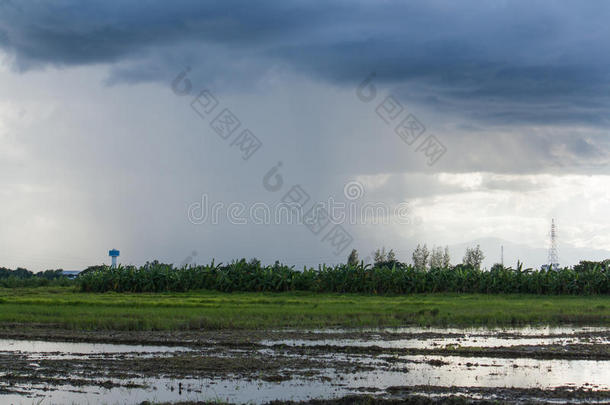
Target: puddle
column 233, row 391
column 483, row 331
column 428, row 343
column 488, row 373
column 425, row 338
column 35, row 371
column 34, row 346
column 494, row 372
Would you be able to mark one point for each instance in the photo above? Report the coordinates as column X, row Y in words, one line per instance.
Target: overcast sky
column 100, row 146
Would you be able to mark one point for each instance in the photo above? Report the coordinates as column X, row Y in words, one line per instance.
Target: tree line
column 21, row 277
column 387, row 276
column 423, row 259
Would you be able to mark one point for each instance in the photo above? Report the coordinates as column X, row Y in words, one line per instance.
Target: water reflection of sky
column 412, row 370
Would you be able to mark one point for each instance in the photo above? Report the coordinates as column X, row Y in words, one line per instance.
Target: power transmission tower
column 553, row 259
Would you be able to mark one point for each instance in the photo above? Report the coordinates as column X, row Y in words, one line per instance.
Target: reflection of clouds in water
column 434, row 370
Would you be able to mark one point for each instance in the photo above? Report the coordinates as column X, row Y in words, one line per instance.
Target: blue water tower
column 114, row 254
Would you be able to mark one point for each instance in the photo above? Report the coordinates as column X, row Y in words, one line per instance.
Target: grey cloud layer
column 511, row 88
column 498, row 62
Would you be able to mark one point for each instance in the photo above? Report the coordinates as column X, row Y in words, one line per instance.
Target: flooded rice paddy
column 553, row 365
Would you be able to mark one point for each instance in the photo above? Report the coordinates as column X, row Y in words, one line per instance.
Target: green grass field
column 64, row 307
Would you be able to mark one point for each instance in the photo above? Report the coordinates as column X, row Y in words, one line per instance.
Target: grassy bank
column 64, row 307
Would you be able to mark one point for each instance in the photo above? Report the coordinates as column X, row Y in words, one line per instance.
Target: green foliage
column 63, row 307
column 380, row 256
column 17, row 273
column 474, row 257
column 352, row 260
column 383, row 278
column 585, row 266
column 24, row 278
column 420, row 257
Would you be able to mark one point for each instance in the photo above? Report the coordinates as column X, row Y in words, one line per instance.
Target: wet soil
column 329, row 362
column 244, row 339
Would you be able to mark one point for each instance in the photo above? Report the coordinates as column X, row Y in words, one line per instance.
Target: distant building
column 71, row 273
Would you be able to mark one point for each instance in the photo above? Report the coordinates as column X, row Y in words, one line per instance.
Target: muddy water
column 67, row 348
column 418, row 338
column 293, row 365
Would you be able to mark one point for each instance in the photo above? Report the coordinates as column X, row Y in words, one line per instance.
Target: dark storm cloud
column 502, row 62
column 73, row 32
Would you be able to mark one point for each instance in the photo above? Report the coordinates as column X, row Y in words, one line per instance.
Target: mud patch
column 382, row 366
